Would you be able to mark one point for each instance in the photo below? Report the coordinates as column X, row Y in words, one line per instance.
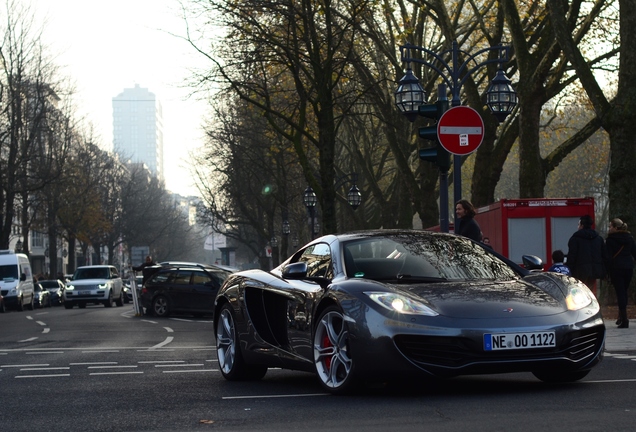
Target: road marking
column 100, row 351
column 25, row 365
column 29, row 317
column 609, row 381
column 45, row 352
column 112, row 367
column 115, row 373
column 166, row 342
column 169, row 330
column 275, row 396
column 178, row 365
column 187, row 371
column 46, row 330
column 48, row 368
column 151, row 322
column 41, row 323
column 43, row 376
column 93, row 363
column 28, row 340
column 161, row 361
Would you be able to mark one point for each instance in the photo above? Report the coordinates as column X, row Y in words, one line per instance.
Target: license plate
column 508, row 341
column 85, row 293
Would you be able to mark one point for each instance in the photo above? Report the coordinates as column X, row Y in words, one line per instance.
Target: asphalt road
column 103, row 369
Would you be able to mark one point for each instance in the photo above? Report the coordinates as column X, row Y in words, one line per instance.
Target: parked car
column 182, row 287
column 56, row 288
column 403, row 303
column 94, row 284
column 42, row 297
column 16, row 280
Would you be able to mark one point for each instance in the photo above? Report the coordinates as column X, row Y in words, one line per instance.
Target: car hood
column 83, row 282
column 489, row 299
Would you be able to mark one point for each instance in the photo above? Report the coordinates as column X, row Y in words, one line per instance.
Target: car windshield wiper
column 416, row 278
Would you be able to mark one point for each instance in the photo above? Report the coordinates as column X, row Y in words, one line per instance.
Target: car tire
column 228, row 350
column 560, row 376
column 2, row 308
column 120, row 301
column 81, row 305
column 68, row 305
column 160, row 306
column 31, row 305
column 333, row 359
column 20, row 305
column 109, row 302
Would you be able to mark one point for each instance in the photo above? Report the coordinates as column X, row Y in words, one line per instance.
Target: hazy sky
column 106, row 46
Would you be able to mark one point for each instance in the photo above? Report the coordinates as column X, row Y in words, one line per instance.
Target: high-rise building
column 138, row 128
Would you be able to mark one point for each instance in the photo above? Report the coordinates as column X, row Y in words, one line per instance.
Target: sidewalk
column 617, row 340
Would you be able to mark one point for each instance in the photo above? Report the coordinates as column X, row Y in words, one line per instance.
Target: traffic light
column 436, row 154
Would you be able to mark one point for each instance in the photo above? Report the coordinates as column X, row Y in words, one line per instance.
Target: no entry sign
column 460, row 130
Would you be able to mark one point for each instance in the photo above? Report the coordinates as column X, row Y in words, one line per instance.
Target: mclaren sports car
column 392, row 304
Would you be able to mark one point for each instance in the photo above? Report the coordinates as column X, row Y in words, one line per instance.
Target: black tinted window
column 318, row 259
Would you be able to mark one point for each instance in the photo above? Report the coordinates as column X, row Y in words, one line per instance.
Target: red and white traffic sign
column 460, row 130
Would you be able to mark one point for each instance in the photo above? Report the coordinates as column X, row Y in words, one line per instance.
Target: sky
column 107, row 46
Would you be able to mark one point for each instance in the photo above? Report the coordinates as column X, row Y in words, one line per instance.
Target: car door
column 180, row 289
column 205, row 287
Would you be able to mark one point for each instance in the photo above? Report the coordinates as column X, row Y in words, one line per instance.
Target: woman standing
column 621, row 249
column 467, row 226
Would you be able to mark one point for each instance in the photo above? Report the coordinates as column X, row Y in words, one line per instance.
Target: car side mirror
column 532, row 262
column 295, row 271
column 22, row 277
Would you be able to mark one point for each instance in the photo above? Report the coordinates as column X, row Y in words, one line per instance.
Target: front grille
column 4, row 292
column 457, row 352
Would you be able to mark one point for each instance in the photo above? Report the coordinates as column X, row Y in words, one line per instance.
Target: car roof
column 186, row 264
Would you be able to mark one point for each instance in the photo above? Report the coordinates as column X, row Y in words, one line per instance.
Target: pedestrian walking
column 621, row 250
column 558, row 257
column 587, row 255
column 467, row 226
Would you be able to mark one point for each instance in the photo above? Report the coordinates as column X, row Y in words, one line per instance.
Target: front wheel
column 228, row 351
column 68, row 305
column 560, row 376
column 332, row 354
column 120, row 300
column 109, row 302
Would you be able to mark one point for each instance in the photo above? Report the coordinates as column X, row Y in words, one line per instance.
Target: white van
column 16, row 280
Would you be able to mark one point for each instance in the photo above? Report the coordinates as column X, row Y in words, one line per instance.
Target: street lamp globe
column 410, row 95
column 501, row 97
column 354, row 197
column 309, row 197
column 273, row 242
column 286, row 227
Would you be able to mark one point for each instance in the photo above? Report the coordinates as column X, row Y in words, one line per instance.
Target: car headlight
column 579, row 296
column 400, row 303
column 102, row 286
column 70, row 287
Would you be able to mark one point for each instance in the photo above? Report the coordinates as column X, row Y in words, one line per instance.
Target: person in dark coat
column 621, row 250
column 147, row 268
column 467, row 226
column 587, row 255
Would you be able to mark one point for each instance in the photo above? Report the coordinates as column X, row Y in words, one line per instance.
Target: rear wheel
column 160, row 306
column 228, row 350
column 68, row 305
column 120, row 301
column 332, row 355
column 560, row 376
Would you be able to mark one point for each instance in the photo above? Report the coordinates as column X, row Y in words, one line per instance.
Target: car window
column 200, row 278
column 159, row 278
column 318, row 259
column 409, row 257
column 8, row 272
column 181, row 277
column 91, row 273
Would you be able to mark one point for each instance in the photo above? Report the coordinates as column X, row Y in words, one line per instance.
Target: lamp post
column 18, row 246
column 410, row 95
column 273, row 242
column 310, row 200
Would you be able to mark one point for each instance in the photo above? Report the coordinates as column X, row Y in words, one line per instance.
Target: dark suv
column 182, row 287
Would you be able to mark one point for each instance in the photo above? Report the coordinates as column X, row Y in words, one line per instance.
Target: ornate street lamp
column 410, row 95
column 286, row 228
column 501, row 98
column 310, row 199
column 18, row 246
column 273, row 242
column 354, row 197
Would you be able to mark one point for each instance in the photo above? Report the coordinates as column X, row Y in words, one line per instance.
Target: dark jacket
column 468, row 227
column 587, row 255
column 621, row 250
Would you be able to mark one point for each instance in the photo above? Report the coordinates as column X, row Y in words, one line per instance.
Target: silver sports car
column 377, row 305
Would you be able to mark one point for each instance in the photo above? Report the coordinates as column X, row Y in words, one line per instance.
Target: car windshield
column 9, row 272
column 91, row 273
column 408, row 258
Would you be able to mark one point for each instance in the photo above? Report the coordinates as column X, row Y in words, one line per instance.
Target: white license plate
column 85, row 293
column 507, row 341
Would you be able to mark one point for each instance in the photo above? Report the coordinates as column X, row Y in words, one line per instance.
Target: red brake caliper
column 326, row 343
